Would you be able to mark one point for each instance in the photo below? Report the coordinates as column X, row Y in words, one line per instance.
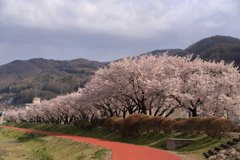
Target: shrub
column 78, row 123
column 198, row 125
column 95, row 122
column 180, row 126
column 168, row 125
column 236, row 129
column 189, row 126
column 83, row 123
column 130, row 125
column 179, row 119
column 75, row 123
column 221, row 127
column 110, row 123
column 118, row 124
column 155, row 123
column 194, row 125
column 143, row 124
column 207, row 125
column 101, row 122
column 86, row 125
column 149, row 124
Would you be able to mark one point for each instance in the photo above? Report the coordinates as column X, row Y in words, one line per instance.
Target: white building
column 1, row 117
column 35, row 101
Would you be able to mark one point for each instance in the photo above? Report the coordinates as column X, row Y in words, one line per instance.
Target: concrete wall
column 173, row 143
column 179, row 113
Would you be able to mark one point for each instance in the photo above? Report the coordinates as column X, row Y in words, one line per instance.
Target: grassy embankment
column 155, row 140
column 19, row 145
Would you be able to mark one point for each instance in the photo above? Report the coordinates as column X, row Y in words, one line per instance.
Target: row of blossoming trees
column 153, row 85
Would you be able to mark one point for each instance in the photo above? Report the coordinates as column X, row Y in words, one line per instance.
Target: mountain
column 21, row 80
column 215, row 48
column 155, row 52
column 169, row 51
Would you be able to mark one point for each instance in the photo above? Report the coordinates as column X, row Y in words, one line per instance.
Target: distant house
column 35, row 101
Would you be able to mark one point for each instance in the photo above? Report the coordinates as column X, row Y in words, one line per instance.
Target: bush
column 110, row 123
column 179, row 119
column 207, row 125
column 83, row 123
column 130, row 125
column 86, row 125
column 118, row 124
column 168, row 125
column 95, row 122
column 101, row 122
column 155, row 123
column 221, row 127
column 236, row 129
column 194, row 125
column 78, row 123
column 180, row 126
column 144, row 124
column 189, row 126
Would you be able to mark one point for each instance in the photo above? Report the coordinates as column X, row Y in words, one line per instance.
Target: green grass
column 20, row 145
column 82, row 156
column 201, row 144
column 41, row 154
column 98, row 154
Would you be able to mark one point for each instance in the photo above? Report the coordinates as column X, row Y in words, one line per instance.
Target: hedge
column 110, row 123
column 131, row 125
column 168, row 125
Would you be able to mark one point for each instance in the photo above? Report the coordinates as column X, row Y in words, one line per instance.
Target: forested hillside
column 215, row 48
column 20, row 80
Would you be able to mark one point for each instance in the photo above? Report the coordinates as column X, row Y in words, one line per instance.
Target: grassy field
column 156, row 140
column 19, row 145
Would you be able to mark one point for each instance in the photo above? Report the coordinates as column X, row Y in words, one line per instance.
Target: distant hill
column 21, row 80
column 215, row 48
column 156, row 52
column 169, row 51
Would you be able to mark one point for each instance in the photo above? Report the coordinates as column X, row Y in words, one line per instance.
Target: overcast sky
column 105, row 30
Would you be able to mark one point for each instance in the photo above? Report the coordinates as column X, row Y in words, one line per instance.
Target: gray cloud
column 104, row 30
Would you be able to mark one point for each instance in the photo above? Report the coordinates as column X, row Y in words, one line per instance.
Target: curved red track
column 121, row 151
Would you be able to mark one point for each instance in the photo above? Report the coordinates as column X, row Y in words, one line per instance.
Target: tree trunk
column 193, row 111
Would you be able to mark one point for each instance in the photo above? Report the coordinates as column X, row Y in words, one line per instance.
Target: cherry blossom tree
column 209, row 88
column 154, row 85
column 162, row 83
column 11, row 116
column 127, row 82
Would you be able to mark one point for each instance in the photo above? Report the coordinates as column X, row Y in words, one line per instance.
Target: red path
column 121, row 151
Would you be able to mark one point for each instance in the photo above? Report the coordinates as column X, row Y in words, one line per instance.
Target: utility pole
column 41, row 85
